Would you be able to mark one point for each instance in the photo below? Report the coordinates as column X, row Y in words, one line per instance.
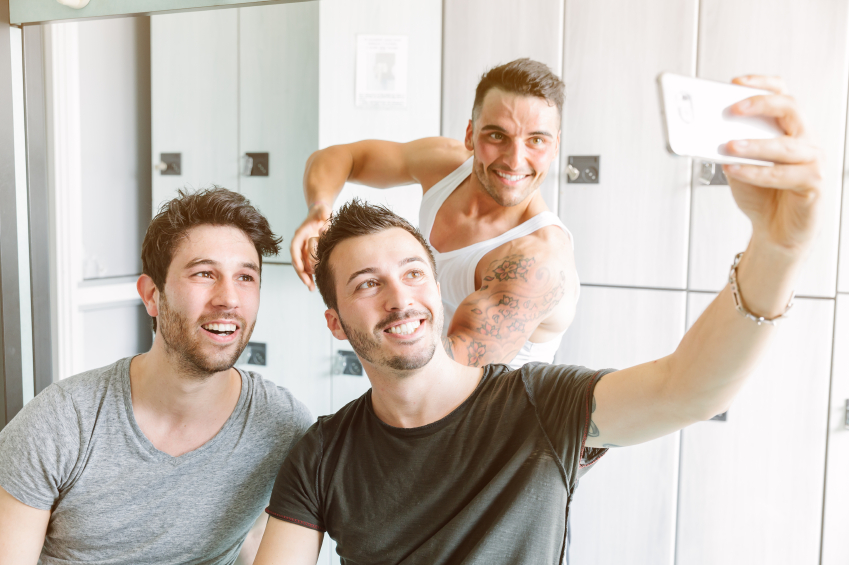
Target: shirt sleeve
column 295, row 496
column 39, row 448
column 562, row 396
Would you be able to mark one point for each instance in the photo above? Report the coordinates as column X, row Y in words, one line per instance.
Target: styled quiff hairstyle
column 522, row 76
column 214, row 206
column 354, row 219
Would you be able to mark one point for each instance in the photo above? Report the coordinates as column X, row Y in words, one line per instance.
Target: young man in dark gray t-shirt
column 444, row 463
column 167, row 457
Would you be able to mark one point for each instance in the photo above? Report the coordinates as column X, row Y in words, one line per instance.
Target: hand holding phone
column 698, row 121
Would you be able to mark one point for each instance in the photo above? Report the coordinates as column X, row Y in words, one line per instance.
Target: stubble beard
column 182, row 344
column 493, row 192
column 367, row 346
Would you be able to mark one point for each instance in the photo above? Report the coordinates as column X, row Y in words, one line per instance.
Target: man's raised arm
column 379, row 164
column 22, row 531
column 712, row 362
column 285, row 543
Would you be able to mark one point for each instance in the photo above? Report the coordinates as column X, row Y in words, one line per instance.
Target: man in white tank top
column 505, row 262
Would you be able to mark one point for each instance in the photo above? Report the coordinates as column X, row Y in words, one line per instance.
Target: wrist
column 766, row 278
column 320, row 208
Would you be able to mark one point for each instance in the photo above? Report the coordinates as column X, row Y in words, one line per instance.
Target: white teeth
column 220, row 327
column 509, row 177
column 406, row 328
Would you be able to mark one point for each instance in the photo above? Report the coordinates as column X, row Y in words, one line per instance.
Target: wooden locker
column 624, row 508
column 751, row 487
column 631, row 229
column 194, row 90
column 278, row 108
column 835, row 543
column 474, row 40
column 806, row 44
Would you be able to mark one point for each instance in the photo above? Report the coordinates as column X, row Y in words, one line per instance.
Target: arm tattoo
column 515, row 295
column 593, row 431
column 449, row 346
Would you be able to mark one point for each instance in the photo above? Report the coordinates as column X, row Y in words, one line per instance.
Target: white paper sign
column 382, row 71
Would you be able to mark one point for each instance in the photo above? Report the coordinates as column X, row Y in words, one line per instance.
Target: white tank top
column 456, row 269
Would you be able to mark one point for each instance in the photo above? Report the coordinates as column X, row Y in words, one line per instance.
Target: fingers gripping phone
column 698, row 120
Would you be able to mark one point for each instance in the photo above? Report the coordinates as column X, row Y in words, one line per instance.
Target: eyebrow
column 368, row 270
column 199, row 261
column 493, row 127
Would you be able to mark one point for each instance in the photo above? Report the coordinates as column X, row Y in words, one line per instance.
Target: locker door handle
column 846, row 415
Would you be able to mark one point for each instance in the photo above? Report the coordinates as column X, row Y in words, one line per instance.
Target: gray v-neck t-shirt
column 77, row 450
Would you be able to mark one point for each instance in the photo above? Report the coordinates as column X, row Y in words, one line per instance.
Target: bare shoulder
column 431, row 159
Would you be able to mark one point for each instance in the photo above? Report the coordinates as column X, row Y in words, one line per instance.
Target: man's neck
column 170, row 395
column 424, row 396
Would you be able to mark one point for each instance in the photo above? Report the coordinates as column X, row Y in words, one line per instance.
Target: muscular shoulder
column 523, row 259
column 431, row 159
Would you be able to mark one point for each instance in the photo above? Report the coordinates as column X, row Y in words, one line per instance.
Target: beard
column 505, row 199
column 183, row 344
column 367, row 346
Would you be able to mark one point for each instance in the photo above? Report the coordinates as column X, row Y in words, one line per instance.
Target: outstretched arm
column 22, row 531
column 285, row 543
column 520, row 289
column 721, row 350
column 379, row 164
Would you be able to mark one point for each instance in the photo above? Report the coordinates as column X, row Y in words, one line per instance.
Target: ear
column 470, row 130
column 557, row 143
column 439, row 289
column 334, row 325
column 149, row 295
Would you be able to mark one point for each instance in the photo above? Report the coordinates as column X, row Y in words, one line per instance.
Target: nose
column 225, row 297
column 398, row 296
column 515, row 155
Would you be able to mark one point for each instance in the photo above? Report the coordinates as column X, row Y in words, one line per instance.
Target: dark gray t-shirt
column 490, row 483
column 77, row 450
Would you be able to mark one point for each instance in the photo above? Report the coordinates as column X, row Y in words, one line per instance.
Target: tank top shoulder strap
column 437, row 194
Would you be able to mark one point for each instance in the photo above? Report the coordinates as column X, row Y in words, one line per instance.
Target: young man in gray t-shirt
column 169, row 456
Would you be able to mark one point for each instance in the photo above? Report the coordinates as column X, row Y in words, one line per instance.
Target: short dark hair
column 354, row 219
column 522, row 76
column 215, row 206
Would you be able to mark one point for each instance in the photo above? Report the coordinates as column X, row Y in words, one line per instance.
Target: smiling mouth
column 404, row 329
column 509, row 177
column 220, row 329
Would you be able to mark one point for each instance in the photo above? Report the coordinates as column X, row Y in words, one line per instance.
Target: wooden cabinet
column 194, row 93
column 751, row 487
column 475, row 40
column 624, row 508
column 631, row 229
column 806, row 44
column 835, row 543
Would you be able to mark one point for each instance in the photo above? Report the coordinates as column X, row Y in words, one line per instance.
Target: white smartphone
column 698, row 121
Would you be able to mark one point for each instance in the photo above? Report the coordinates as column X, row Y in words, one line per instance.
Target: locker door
column 752, row 486
column 806, row 43
column 278, row 108
column 342, row 121
column 631, row 229
column 194, row 88
column 835, row 543
column 624, row 508
column 475, row 40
